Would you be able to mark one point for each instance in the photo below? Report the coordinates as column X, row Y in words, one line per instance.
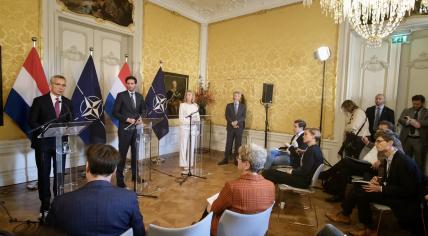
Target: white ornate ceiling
column 209, row 11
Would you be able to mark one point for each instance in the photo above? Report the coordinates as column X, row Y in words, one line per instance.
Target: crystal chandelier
column 372, row 19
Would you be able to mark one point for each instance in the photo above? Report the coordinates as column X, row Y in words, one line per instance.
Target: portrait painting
column 1, row 93
column 116, row 11
column 175, row 86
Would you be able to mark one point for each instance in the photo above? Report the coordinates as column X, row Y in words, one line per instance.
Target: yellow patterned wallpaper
column 173, row 39
column 19, row 21
column 275, row 46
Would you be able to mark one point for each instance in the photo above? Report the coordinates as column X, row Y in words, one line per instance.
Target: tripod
column 189, row 154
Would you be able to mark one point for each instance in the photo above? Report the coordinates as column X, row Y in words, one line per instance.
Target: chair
column 202, row 228
column 383, row 208
column 330, row 230
column 233, row 223
column 303, row 191
column 129, row 232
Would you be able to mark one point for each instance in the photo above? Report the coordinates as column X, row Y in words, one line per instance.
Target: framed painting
column 116, row 11
column 1, row 92
column 175, row 86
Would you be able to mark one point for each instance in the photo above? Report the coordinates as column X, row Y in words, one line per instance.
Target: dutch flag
column 30, row 83
column 118, row 86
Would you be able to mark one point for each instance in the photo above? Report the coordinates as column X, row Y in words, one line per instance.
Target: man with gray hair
column 378, row 113
column 52, row 107
column 235, row 116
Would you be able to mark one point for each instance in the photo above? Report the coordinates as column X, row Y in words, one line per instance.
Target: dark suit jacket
column 232, row 116
column 423, row 119
column 301, row 145
column 123, row 108
column 98, row 208
column 43, row 111
column 387, row 114
column 403, row 189
column 311, row 159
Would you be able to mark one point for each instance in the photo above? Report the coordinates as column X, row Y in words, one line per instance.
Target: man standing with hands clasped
column 235, row 116
column 129, row 108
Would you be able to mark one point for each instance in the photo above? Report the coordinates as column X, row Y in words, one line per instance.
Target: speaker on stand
column 267, row 102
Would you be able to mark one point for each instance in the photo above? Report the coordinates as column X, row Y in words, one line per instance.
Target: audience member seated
column 97, row 208
column 357, row 127
column 300, row 177
column 399, row 187
column 341, row 172
column 249, row 194
column 289, row 155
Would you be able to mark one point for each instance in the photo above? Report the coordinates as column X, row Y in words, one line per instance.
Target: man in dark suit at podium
column 378, row 113
column 235, row 116
column 97, row 208
column 49, row 108
column 129, row 108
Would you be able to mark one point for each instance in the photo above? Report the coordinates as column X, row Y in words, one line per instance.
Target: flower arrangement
column 204, row 96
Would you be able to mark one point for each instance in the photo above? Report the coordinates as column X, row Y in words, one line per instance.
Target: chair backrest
column 316, row 174
column 233, row 223
column 202, row 228
column 330, row 230
column 129, row 232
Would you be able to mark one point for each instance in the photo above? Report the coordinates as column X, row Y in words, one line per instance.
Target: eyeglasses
column 380, row 140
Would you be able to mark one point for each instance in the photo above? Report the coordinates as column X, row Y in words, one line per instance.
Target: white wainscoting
column 17, row 162
column 218, row 141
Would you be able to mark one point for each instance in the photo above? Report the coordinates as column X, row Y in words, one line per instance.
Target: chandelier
column 372, row 19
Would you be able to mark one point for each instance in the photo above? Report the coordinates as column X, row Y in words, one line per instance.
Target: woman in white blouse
column 356, row 123
column 186, row 108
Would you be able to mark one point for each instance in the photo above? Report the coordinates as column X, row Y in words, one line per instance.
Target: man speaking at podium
column 129, row 108
column 49, row 108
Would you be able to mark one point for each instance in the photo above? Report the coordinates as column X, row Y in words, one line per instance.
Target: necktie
column 376, row 119
column 133, row 100
column 236, row 108
column 388, row 166
column 415, row 116
column 57, row 107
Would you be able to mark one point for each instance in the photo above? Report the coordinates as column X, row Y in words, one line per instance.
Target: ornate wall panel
column 277, row 47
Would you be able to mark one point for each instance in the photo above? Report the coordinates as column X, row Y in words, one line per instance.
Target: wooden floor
column 180, row 205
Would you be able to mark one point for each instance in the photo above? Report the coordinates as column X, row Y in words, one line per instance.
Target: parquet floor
column 180, row 205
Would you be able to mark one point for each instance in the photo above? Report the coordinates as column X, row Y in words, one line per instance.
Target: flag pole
column 34, row 39
column 91, row 50
column 126, row 58
column 160, row 63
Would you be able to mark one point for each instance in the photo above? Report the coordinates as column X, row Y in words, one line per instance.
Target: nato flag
column 88, row 105
column 156, row 104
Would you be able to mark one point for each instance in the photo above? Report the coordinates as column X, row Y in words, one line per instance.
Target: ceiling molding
column 211, row 11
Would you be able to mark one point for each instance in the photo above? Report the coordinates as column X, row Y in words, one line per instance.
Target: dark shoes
column 333, row 199
column 338, row 217
column 223, row 162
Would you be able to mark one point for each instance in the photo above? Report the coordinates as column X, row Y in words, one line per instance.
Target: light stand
column 322, row 54
column 266, row 105
column 189, row 155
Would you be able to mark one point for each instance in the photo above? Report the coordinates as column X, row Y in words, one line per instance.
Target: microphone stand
column 189, row 154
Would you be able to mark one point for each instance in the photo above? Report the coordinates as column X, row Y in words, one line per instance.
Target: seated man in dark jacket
column 300, row 177
column 98, row 208
column 399, row 187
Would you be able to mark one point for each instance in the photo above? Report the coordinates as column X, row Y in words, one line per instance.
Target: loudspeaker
column 267, row 93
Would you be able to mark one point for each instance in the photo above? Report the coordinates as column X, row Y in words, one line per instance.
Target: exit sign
column 400, row 38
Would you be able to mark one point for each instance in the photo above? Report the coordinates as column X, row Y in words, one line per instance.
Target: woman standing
column 356, row 128
column 301, row 177
column 188, row 108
